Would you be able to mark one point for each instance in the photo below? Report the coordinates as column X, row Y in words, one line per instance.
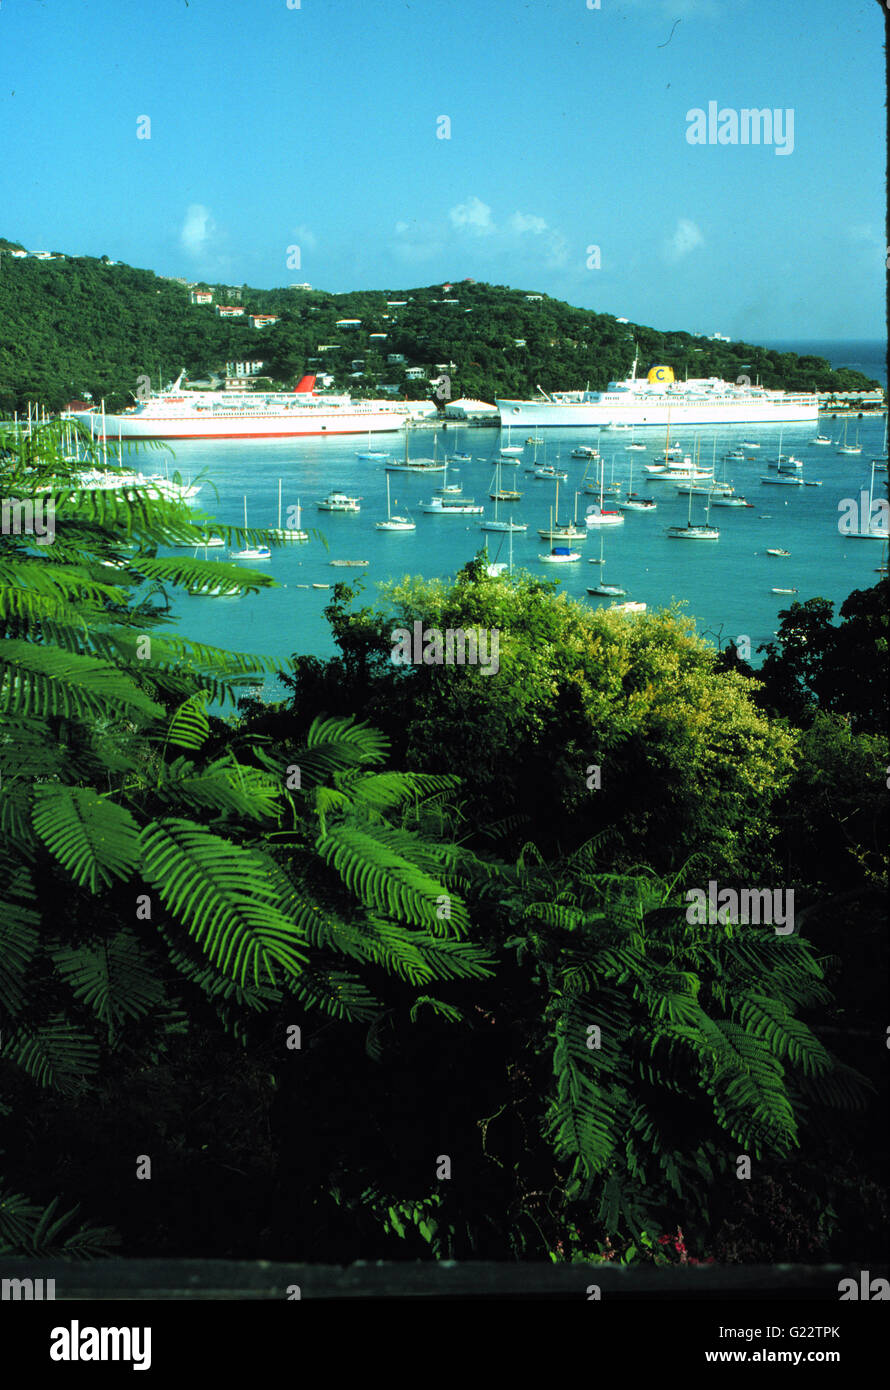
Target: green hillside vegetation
column 84, row 325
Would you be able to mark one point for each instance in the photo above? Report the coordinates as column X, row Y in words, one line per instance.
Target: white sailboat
column 498, row 495
column 371, row 454
column 395, row 523
column 632, row 500
column 691, row 532
column 603, row 590
column 846, row 448
column 289, row 533
column 877, row 529
column 509, row 448
column 599, row 515
column 562, row 531
column 559, row 554
column 252, row 552
column 632, row 446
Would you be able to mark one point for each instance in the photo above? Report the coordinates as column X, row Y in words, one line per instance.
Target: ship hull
column 284, row 426
column 591, row 414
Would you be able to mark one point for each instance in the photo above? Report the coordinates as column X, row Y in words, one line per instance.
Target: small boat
column 372, row 454
column 321, row 586
column 252, row 552
column 507, row 449
column 600, row 515
column 846, row 448
column 607, row 590
column 777, row 551
column 506, row 495
column 746, row 444
column 784, row 591
column 730, row 501
column 735, row 455
column 339, row 502
column 784, row 480
column 445, row 506
column 462, row 458
column 585, row 451
column 632, row 607
column 395, row 523
column 821, row 439
column 874, row 529
column 350, row 564
column 288, row 533
column 633, row 502
column 548, row 470
column 534, row 439
column 692, row 531
column 561, row 555
column 418, row 465
column 450, row 501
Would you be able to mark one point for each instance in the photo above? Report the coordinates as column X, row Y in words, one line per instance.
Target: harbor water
column 726, row 584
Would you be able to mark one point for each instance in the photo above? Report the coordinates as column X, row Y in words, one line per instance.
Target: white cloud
column 305, row 238
column 417, row 241
column 474, row 215
column 686, row 238
column 197, row 229
column 527, row 222
column 522, row 233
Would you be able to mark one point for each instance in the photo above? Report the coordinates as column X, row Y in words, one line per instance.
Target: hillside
column 77, row 324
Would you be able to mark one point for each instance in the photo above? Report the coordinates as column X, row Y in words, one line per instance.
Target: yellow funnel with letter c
column 662, row 374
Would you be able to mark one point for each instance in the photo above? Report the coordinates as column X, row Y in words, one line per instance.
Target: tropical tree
column 147, row 860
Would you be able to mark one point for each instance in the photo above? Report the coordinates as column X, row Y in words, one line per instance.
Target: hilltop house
column 229, row 311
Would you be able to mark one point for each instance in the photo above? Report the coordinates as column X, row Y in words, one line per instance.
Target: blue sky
column 317, row 127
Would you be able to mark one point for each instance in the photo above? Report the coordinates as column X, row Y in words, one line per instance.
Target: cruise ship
column 179, row 414
column 661, row 400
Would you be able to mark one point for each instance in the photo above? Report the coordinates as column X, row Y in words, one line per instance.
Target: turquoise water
column 726, row 583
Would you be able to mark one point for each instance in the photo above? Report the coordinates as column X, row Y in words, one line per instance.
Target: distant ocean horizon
column 868, row 355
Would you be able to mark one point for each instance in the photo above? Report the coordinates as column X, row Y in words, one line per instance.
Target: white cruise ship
column 178, row 414
column 660, row 400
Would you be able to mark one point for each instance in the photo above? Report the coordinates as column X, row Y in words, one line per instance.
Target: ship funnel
column 661, row 374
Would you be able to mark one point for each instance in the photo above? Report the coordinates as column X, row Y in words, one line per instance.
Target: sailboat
column 563, row 531
column 689, row 532
column 499, row 495
column 846, row 448
column 874, row 530
column 632, row 445
column 559, row 554
column 288, row 533
column 252, row 552
column 632, row 500
column 418, row 465
column 451, row 502
column 605, row 590
column 369, row 453
column 510, row 448
column 598, row 515
column 395, row 523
